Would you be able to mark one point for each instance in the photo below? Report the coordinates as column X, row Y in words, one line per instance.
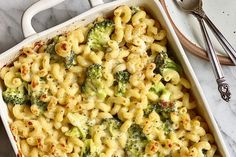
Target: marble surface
column 11, row 34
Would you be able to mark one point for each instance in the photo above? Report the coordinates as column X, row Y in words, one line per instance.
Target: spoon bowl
column 189, row 5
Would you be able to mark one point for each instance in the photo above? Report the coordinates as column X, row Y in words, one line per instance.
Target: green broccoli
column 51, row 45
column 149, row 109
column 167, row 126
column 35, row 99
column 157, row 88
column 112, row 125
column 93, row 79
column 54, row 58
column 36, row 95
column 136, row 142
column 80, row 122
column 15, row 95
column 93, row 82
column 163, row 111
column 94, row 71
column 161, row 91
column 163, row 62
column 122, row 78
column 74, row 132
column 99, row 35
column 70, row 60
column 86, row 150
column 24, row 94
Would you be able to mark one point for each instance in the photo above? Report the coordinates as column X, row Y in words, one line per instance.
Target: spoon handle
column 223, row 87
column 222, row 40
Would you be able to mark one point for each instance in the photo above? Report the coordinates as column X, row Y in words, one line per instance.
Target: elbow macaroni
column 134, row 44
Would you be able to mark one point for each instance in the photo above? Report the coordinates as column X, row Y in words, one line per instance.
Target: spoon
column 195, row 8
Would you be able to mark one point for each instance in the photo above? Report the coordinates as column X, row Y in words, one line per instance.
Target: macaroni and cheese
column 108, row 89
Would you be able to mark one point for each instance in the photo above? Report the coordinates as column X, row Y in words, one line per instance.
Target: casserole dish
column 152, row 6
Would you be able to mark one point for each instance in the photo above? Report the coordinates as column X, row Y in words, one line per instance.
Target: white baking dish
column 152, row 6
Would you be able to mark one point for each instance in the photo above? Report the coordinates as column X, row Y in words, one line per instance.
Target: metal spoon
column 195, row 8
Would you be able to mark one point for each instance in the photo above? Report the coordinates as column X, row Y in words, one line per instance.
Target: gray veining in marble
column 11, row 34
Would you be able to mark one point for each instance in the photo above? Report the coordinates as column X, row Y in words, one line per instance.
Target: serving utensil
column 194, row 7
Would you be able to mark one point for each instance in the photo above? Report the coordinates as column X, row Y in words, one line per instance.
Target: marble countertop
column 11, row 34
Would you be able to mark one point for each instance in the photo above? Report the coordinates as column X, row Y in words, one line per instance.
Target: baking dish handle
column 39, row 6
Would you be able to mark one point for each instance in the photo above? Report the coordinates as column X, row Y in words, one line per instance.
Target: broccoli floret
column 51, row 45
column 163, row 62
column 136, row 142
column 122, row 78
column 99, row 35
column 157, row 88
column 37, row 95
column 70, row 60
column 35, row 100
column 86, row 150
column 15, row 95
column 74, row 132
column 112, row 125
column 94, row 72
column 161, row 91
column 167, row 126
column 54, row 58
column 162, row 110
column 149, row 109
column 93, row 82
column 79, row 121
